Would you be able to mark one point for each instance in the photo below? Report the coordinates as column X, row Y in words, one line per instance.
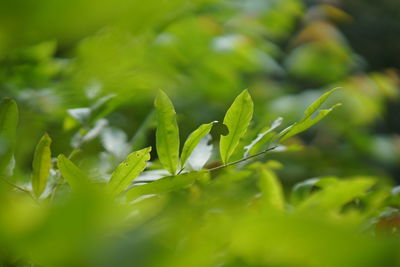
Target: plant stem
column 243, row 159
column 19, row 188
column 228, row 164
column 61, row 179
column 181, row 170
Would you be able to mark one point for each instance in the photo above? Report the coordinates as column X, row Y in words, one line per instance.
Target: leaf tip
column 61, row 157
column 246, row 93
column 336, row 106
column 46, row 137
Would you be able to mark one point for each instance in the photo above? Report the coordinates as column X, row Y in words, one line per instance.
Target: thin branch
column 242, row 160
column 19, row 188
column 181, row 170
column 222, row 166
column 14, row 185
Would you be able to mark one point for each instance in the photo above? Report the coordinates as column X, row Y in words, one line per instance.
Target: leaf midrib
column 167, row 147
column 133, row 167
column 40, row 162
column 191, row 144
column 235, row 130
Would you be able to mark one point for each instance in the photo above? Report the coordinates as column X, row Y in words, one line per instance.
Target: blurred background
column 87, row 72
column 58, row 59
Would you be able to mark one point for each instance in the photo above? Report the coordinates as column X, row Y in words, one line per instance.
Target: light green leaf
column 165, row 185
column 41, row 165
column 317, row 103
column 275, row 124
column 167, row 134
column 193, row 140
column 307, row 121
column 128, row 170
column 237, row 120
column 332, row 198
column 75, row 177
column 8, row 128
column 305, row 124
column 303, row 189
column 271, row 189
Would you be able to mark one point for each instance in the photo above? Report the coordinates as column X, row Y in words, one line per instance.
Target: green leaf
column 167, row 134
column 41, row 165
column 128, row 170
column 332, row 197
column 8, row 129
column 317, row 103
column 193, row 140
column 75, row 177
column 165, row 185
column 307, row 121
column 237, row 120
column 305, row 124
column 303, row 189
column 271, row 188
column 275, row 124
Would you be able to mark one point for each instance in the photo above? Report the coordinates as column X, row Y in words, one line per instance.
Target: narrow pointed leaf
column 332, row 198
column 271, row 189
column 167, row 134
column 41, row 165
column 237, row 120
column 307, row 121
column 128, row 170
column 193, row 140
column 275, row 124
column 317, row 104
column 8, row 128
column 303, row 189
column 305, row 124
column 75, row 177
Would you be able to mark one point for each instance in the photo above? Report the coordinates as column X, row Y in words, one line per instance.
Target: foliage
column 98, row 167
column 239, row 208
column 41, row 165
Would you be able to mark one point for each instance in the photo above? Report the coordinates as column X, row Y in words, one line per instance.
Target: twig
column 242, row 160
column 19, row 188
column 225, row 165
column 14, row 185
column 181, row 170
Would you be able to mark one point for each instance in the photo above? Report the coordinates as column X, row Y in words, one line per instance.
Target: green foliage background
column 87, row 74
